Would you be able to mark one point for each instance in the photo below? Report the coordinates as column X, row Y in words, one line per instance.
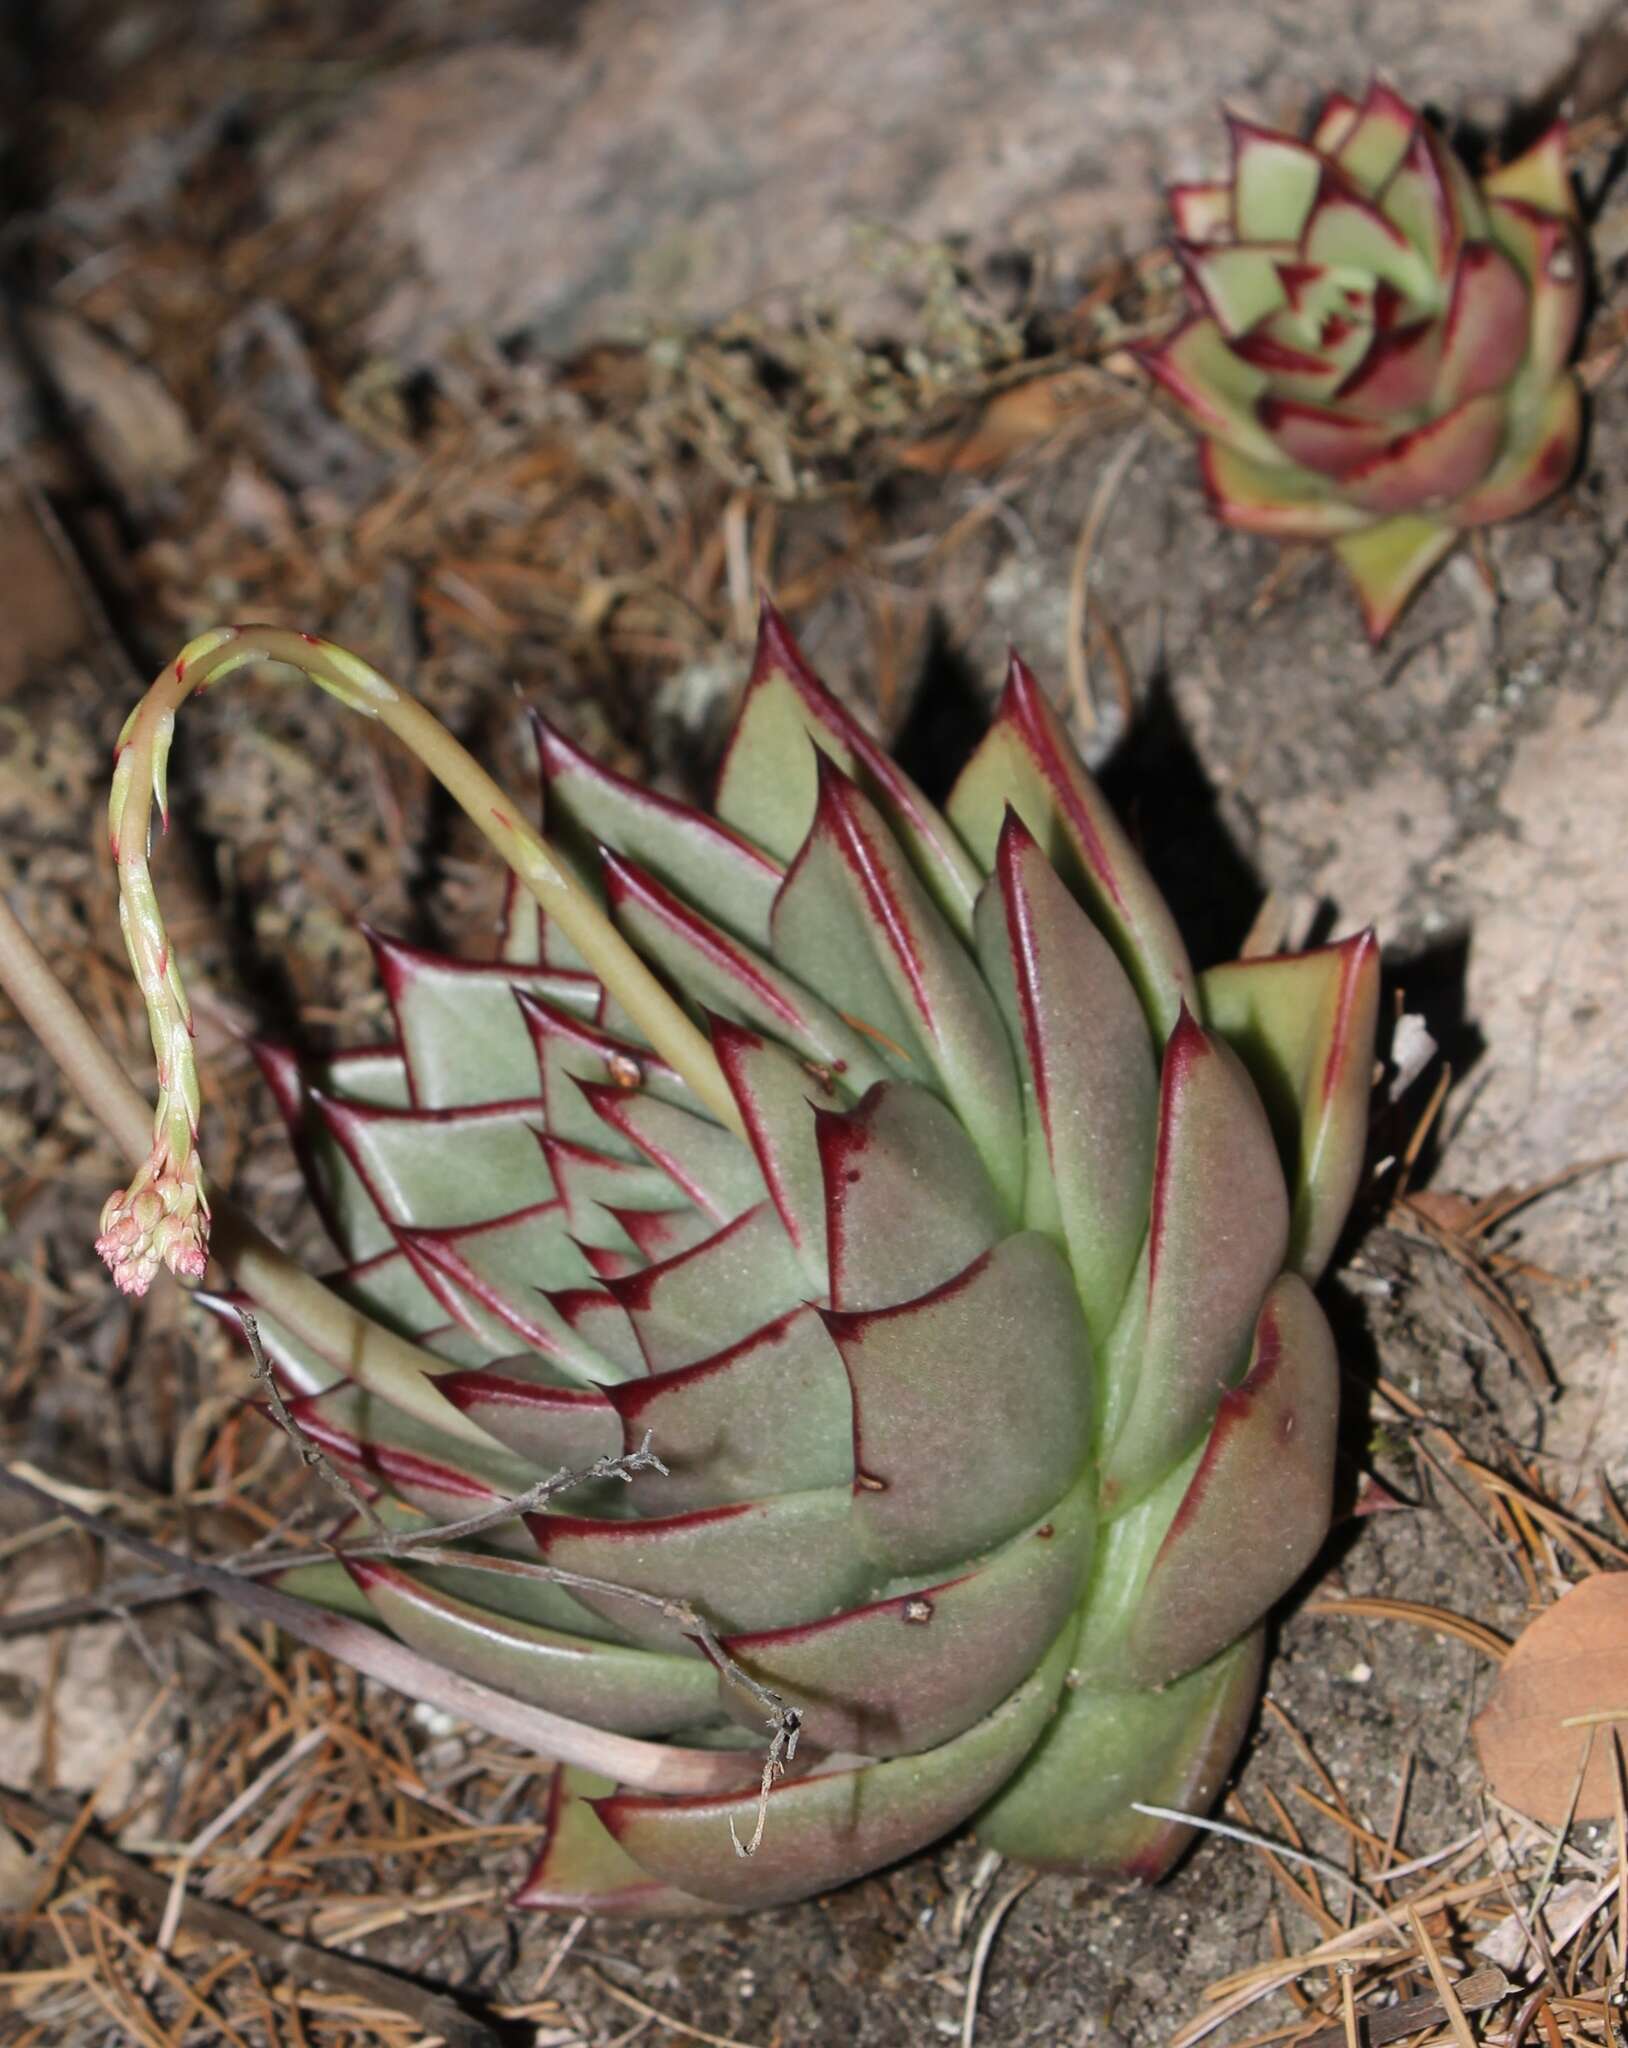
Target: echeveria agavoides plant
column 891, row 1167
column 1377, row 350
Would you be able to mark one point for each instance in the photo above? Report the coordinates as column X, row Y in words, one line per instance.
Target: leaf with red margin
column 722, row 975
column 631, row 1692
column 766, row 785
column 1346, row 232
column 437, row 1167
column 709, row 1164
column 1396, row 376
column 917, row 1669
column 580, row 1869
column 1537, row 461
column 1211, row 385
column 458, row 1025
column 907, row 1202
column 1237, row 282
column 1549, row 256
column 1257, row 1509
column 1275, row 179
column 341, row 1197
column 569, row 1050
column 1425, row 470
column 1321, row 438
column 1217, row 1239
column 1540, row 178
column 1484, row 333
column 1388, row 561
column 1025, row 763
column 853, row 920
column 1070, row 1808
column 1202, row 212
column 1089, row 1061
column 823, row 1830
column 1279, row 500
column 751, row 1565
column 704, row 1300
column 491, row 1277
column 1432, row 199
column 773, row 1093
column 442, row 1476
column 1336, row 118
column 1304, row 1026
column 973, row 1405
column 699, row 859
column 549, row 1425
column 771, row 1414
column 1379, row 138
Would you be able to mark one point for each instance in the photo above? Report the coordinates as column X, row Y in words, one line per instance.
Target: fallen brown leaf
column 1565, row 1679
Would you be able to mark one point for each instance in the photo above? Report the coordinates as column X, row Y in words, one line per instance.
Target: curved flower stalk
column 950, row 1238
column 1377, row 348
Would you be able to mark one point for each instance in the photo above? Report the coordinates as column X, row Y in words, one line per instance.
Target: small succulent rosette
column 1377, row 351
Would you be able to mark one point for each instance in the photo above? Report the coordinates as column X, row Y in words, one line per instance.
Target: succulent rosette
column 951, row 1239
column 1377, row 352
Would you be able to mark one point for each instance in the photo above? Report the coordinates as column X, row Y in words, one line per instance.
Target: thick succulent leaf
column 1274, row 182
column 1323, row 439
column 1389, row 560
column 704, row 862
column 1378, row 140
column 1256, row 1511
column 771, row 1414
column 458, row 1026
column 908, row 1204
column 1547, row 253
column 1070, row 1808
column 690, row 1307
column 729, row 979
column 1539, row 178
column 600, row 1324
column 853, row 920
column 1025, row 763
column 1276, row 499
column 391, row 1289
column 1089, row 1060
column 1237, row 282
column 1304, row 1026
column 1336, row 118
column 766, row 786
column 549, row 1426
column 1397, row 375
column 701, row 1158
column 1347, row 232
column 597, row 1191
column 440, row 1475
column 972, row 1405
column 774, row 1093
column 751, row 1565
column 442, row 1166
column 1217, row 1238
column 492, row 1277
column 1282, row 349
column 339, row 1194
column 913, row 1671
column 1212, row 386
column 580, row 1868
column 1484, row 334
column 1538, row 458
column 633, row 1692
column 823, row 1831
column 570, row 1052
column 1202, row 213
column 1431, row 198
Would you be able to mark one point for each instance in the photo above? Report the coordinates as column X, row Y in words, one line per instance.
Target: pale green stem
column 387, row 1365
column 164, row 1214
